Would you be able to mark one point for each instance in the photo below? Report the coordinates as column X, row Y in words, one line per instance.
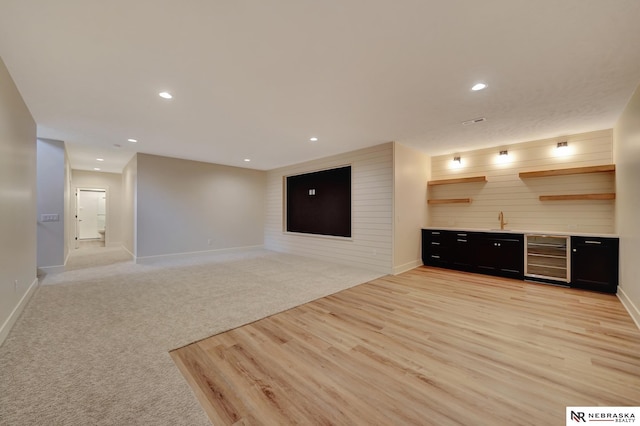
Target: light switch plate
column 49, row 218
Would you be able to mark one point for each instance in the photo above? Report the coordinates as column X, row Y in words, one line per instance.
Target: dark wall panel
column 320, row 202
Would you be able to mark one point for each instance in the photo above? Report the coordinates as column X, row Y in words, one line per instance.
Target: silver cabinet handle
column 592, row 242
column 434, row 243
column 435, row 257
column 435, row 233
column 461, row 240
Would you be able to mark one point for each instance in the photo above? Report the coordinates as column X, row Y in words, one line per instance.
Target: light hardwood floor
column 428, row 347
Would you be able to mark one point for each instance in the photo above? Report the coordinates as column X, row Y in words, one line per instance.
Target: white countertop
column 524, row 231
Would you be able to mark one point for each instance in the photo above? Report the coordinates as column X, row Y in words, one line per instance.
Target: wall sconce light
column 456, row 159
column 503, row 157
column 456, row 163
column 562, row 148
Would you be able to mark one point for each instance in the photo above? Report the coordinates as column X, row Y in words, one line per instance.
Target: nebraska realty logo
column 602, row 415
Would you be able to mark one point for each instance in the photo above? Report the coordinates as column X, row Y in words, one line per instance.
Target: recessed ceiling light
column 99, row 159
column 96, row 168
column 478, row 86
column 474, row 121
column 132, row 140
column 165, row 95
column 313, row 139
column 247, row 159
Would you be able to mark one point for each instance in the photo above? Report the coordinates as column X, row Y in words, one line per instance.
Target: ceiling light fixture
column 457, row 162
column 99, row 159
column 474, row 121
column 165, row 95
column 247, row 159
column 96, row 168
column 132, row 140
column 313, row 139
column 504, row 152
column 479, row 86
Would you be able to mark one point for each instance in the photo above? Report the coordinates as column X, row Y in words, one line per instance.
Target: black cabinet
column 594, row 260
column 484, row 252
column 499, row 254
column 461, row 251
column 594, row 263
column 446, row 249
column 436, row 248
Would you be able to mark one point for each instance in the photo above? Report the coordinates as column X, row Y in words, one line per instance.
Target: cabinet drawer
column 594, row 242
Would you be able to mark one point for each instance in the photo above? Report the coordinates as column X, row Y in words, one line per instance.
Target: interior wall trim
column 407, row 266
column 629, row 306
column 44, row 270
column 144, row 260
column 15, row 314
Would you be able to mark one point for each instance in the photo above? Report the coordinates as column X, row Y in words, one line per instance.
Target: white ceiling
column 256, row 79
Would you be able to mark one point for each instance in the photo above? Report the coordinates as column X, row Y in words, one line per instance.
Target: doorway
column 91, row 216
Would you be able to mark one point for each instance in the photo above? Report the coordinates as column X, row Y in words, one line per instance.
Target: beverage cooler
column 548, row 258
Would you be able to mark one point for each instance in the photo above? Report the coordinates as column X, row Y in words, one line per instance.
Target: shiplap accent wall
column 372, row 211
column 518, row 198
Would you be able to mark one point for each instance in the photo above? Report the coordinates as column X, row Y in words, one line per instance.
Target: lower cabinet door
column 499, row 254
column 461, row 251
column 594, row 263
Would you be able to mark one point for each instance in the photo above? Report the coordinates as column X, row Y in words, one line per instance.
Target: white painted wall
column 627, row 156
column 518, row 198
column 188, row 206
column 372, row 211
column 51, row 200
column 129, row 210
column 112, row 183
column 17, row 203
column 411, row 171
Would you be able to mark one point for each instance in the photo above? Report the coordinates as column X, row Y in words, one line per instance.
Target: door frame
column 106, row 210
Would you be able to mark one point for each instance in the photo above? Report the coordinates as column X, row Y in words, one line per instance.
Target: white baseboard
column 151, row 259
column 50, row 270
column 133, row 256
column 406, row 267
column 13, row 317
column 629, row 306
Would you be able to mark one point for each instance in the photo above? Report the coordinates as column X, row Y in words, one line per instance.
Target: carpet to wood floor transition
column 428, row 347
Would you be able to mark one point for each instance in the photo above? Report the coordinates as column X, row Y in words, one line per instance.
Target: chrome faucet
column 502, row 222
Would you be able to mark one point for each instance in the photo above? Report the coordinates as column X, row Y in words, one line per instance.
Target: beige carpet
column 92, row 256
column 92, row 345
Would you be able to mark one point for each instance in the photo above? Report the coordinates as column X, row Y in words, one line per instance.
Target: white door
column 91, row 213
